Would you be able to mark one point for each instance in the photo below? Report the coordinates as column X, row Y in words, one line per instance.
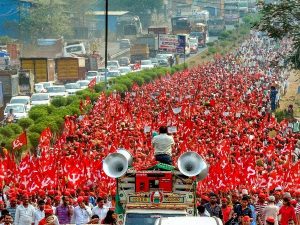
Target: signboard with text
column 168, row 42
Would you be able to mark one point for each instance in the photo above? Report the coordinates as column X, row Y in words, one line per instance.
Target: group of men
column 45, row 209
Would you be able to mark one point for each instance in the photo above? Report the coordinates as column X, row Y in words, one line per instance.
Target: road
column 113, row 48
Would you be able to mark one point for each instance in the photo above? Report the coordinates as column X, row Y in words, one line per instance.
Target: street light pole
column 106, row 40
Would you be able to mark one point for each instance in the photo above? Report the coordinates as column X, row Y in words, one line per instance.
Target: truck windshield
column 145, row 218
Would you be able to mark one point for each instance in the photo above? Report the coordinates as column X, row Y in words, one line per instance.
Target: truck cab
column 161, row 191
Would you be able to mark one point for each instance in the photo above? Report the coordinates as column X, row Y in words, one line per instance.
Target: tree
column 46, row 19
column 283, row 20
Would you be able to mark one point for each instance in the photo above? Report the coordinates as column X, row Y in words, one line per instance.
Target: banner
column 167, row 42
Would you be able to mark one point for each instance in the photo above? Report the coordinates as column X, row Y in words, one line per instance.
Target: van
column 188, row 220
column 74, row 50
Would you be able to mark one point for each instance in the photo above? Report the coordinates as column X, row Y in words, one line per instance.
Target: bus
column 181, row 25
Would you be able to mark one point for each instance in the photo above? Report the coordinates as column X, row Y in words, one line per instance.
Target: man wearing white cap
column 271, row 210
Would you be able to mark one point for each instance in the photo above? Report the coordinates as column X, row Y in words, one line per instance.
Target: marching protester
column 25, row 212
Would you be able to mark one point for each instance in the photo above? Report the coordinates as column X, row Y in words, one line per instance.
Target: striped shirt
column 298, row 208
column 259, row 207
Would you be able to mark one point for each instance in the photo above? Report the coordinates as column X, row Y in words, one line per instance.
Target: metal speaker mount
column 115, row 165
column 191, row 164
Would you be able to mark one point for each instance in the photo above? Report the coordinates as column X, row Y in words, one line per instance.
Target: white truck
column 158, row 192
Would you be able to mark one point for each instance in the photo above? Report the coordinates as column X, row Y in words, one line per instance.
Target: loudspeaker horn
column 127, row 155
column 191, row 164
column 115, row 165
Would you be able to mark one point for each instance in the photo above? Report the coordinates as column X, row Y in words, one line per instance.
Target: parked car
column 154, row 61
column 39, row 88
column 124, row 61
column 163, row 62
column 40, row 99
column 146, row 64
column 113, row 74
column 92, row 74
column 72, row 88
column 124, row 70
column 83, row 83
column 57, row 90
column 21, row 100
column 19, row 110
column 112, row 65
column 164, row 56
column 125, row 43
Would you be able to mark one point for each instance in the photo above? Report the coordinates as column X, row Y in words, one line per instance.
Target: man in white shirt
column 39, row 213
column 100, row 209
column 271, row 210
column 162, row 144
column 82, row 213
column 24, row 213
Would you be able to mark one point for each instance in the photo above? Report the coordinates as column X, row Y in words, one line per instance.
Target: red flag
column 20, row 141
column 92, row 83
column 44, row 140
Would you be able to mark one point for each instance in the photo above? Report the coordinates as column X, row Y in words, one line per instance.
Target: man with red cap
column 39, row 213
column 12, row 207
column 270, row 220
column 259, row 207
column 64, row 212
column 49, row 218
column 226, row 209
column 271, row 210
column 24, row 212
column 82, row 213
column 246, row 220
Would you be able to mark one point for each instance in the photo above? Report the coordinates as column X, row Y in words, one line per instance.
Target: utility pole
column 19, row 25
column 106, row 40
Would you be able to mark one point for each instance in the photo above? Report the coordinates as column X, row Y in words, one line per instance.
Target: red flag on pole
column 20, row 141
column 92, row 83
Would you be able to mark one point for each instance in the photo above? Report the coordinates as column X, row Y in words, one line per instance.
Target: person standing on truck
column 162, row 144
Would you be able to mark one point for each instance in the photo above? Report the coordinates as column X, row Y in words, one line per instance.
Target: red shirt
column 226, row 211
column 43, row 222
column 287, row 213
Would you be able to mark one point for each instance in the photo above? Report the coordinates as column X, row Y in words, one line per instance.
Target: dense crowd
column 221, row 110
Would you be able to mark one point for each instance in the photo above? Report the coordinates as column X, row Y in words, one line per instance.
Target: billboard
column 172, row 43
column 167, row 42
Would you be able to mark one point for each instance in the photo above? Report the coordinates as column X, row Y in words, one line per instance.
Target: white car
column 164, row 56
column 125, row 69
column 114, row 64
column 39, row 88
column 113, row 74
column 40, row 99
column 83, row 84
column 146, row 64
column 72, row 88
column 25, row 100
column 19, row 110
column 57, row 90
column 90, row 74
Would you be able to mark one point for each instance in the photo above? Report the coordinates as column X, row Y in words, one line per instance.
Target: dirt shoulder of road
column 291, row 97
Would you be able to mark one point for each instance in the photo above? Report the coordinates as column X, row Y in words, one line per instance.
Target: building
column 96, row 21
column 214, row 7
column 231, row 12
column 10, row 16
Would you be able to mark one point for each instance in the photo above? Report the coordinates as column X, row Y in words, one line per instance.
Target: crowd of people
column 222, row 110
